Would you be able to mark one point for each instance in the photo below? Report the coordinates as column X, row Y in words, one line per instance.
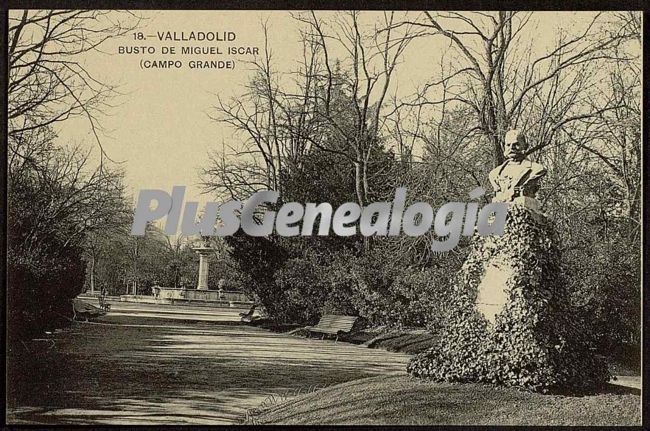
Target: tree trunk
column 358, row 183
column 92, row 275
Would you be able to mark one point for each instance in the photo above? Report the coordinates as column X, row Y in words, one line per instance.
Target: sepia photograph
column 323, row 217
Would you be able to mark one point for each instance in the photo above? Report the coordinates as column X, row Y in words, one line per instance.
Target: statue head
column 515, row 145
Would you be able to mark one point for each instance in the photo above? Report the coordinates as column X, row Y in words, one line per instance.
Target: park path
column 144, row 365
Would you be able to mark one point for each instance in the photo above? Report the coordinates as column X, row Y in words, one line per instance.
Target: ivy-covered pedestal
column 510, row 322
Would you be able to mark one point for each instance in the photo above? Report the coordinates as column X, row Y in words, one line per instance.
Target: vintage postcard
column 324, row 217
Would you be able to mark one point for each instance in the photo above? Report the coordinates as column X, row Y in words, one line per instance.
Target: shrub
column 302, row 287
column 607, row 287
column 424, row 292
column 385, row 293
column 40, row 288
column 342, row 295
column 304, row 290
column 257, row 258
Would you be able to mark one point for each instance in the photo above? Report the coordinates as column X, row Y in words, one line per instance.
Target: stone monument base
column 201, row 295
column 176, row 296
column 510, row 321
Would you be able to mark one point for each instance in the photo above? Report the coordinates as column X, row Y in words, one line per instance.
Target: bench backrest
column 336, row 322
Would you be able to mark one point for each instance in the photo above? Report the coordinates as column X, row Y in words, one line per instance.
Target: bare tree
column 66, row 200
column 48, row 83
column 358, row 61
column 507, row 81
column 610, row 140
column 257, row 117
column 336, row 103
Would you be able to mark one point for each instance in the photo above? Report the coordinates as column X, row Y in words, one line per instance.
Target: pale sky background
column 161, row 129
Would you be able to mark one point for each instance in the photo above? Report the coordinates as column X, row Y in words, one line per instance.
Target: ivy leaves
column 532, row 344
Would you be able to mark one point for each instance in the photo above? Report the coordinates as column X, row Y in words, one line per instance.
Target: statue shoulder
column 494, row 173
column 537, row 169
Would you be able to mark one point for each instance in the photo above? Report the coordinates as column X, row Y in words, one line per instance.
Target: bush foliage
column 536, row 341
column 297, row 283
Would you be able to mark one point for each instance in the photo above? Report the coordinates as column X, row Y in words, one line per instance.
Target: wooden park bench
column 248, row 317
column 333, row 324
column 84, row 310
column 251, row 315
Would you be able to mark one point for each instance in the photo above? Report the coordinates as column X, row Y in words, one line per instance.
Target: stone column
column 203, row 268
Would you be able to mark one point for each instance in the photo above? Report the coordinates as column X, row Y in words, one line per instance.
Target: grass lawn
column 408, row 401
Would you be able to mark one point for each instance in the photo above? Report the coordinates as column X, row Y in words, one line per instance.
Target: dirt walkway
column 137, row 369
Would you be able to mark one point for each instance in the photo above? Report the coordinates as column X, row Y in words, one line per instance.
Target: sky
column 159, row 127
